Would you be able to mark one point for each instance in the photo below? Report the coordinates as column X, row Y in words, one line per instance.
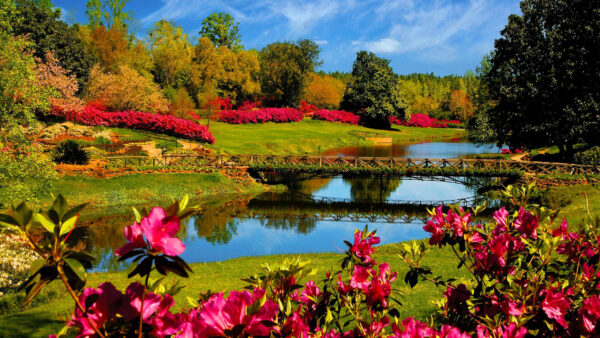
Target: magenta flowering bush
column 261, row 115
column 529, row 276
column 336, row 116
column 164, row 124
column 425, row 121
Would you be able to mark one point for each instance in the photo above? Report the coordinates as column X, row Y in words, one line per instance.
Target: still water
column 315, row 215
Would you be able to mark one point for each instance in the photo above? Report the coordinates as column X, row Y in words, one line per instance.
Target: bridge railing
column 362, row 161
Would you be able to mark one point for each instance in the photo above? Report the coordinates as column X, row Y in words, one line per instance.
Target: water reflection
column 448, row 149
column 297, row 221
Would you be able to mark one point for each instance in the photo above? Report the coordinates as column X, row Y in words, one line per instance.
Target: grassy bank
column 574, row 201
column 145, row 189
column 43, row 319
column 310, row 136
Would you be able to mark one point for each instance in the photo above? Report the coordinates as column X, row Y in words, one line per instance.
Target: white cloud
column 302, row 16
column 321, row 42
column 429, row 27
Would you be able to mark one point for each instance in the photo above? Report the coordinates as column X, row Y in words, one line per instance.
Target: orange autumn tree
column 460, row 106
column 61, row 86
column 324, row 91
column 125, row 90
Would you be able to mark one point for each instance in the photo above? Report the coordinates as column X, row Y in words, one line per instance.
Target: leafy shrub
column 71, row 152
column 125, row 90
column 263, row 115
column 590, row 156
column 101, row 140
column 424, row 121
column 15, row 260
column 529, row 276
column 336, row 116
column 165, row 124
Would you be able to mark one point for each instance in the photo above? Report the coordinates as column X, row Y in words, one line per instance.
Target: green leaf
column 76, row 267
column 73, row 212
column 184, row 202
column 23, row 214
column 8, row 220
column 36, row 266
column 68, row 225
column 43, row 221
column 138, row 217
column 60, row 205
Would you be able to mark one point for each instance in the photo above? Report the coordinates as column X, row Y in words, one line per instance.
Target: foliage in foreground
column 528, row 277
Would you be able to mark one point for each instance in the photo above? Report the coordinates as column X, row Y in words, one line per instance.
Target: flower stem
column 140, row 333
column 61, row 273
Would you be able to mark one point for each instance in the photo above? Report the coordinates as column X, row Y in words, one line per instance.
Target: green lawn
column 310, row 136
column 145, row 189
column 44, row 318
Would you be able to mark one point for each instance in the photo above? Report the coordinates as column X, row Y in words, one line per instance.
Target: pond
column 315, row 215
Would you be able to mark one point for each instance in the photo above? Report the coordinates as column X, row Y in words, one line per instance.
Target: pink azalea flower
column 526, row 223
column 102, row 310
column 590, row 312
column 219, row 315
column 511, row 308
column 556, row 305
column 448, row 331
column 158, row 231
column 360, row 278
column 562, row 230
column 412, row 328
column 501, row 217
column 363, row 247
column 133, row 295
column 437, row 232
column 296, row 327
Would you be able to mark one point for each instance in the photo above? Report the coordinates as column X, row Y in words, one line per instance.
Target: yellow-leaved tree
column 324, row 91
column 125, row 90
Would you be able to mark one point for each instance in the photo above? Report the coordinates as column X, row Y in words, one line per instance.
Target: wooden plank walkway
column 332, row 162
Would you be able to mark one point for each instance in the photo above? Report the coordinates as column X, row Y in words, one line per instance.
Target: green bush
column 101, row 140
column 590, row 156
column 71, row 152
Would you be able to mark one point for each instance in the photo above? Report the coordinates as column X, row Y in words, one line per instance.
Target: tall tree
column 109, row 13
column 545, row 75
column 374, row 92
column 49, row 34
column 171, row 52
column 222, row 30
column 285, row 68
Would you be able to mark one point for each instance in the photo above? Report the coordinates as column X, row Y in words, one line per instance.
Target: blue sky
column 439, row 36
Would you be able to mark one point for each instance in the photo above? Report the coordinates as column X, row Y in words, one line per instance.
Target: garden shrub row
column 163, row 124
column 262, row 115
column 425, row 121
column 336, row 116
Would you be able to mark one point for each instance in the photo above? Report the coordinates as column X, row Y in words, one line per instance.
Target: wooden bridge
column 347, row 164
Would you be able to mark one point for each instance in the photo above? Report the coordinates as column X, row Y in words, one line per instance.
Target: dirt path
column 152, row 150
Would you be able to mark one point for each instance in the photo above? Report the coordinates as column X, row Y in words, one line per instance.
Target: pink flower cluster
column 336, row 116
column 262, row 115
column 423, row 121
column 164, row 124
column 155, row 233
column 510, row 152
column 497, row 253
column 307, row 108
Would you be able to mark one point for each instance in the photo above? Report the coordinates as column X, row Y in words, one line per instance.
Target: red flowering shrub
column 307, row 108
column 424, row 121
column 336, row 116
column 529, row 276
column 164, row 124
column 263, row 115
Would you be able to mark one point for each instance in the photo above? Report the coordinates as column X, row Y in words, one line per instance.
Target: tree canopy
column 545, row 75
column 222, row 30
column 108, row 13
column 374, row 91
column 48, row 34
column 285, row 69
